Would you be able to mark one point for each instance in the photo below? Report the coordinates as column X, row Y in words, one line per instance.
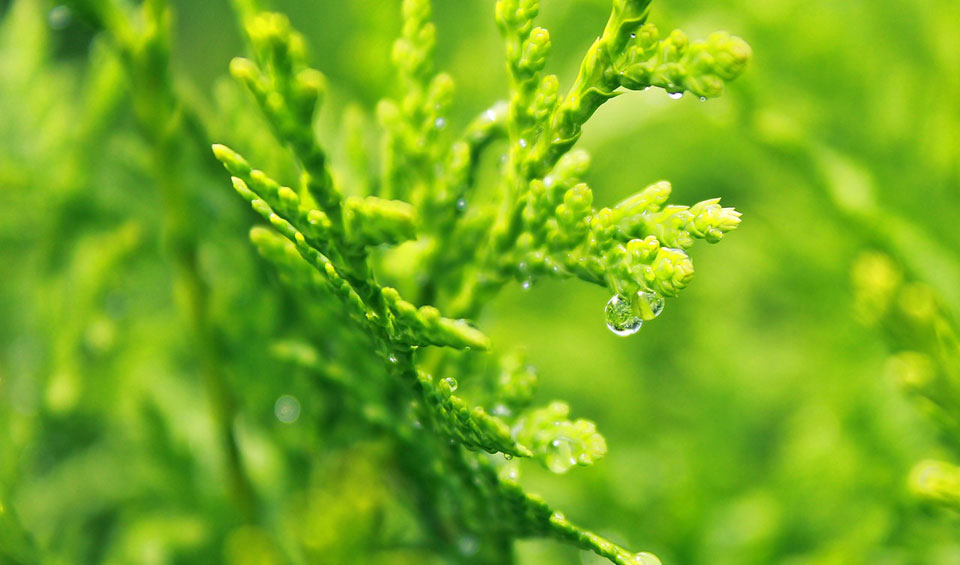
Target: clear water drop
column 650, row 304
column 287, row 409
column 510, row 472
column 467, row 545
column 633, row 36
column 644, row 558
column 675, row 95
column 621, row 317
column 461, row 204
column 392, row 358
column 525, row 285
column 59, row 17
column 451, row 382
column 557, row 517
column 561, row 458
column 440, row 123
column 490, row 115
column 523, row 142
column 703, row 98
column 507, row 456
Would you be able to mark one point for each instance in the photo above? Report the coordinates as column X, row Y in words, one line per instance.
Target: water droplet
column 467, row 545
column 633, row 36
column 507, row 456
column 644, row 558
column 510, row 472
column 287, row 409
column 560, row 458
column 490, row 115
column 675, row 95
column 650, row 304
column 621, row 317
column 451, row 382
column 557, row 517
column 548, row 181
column 440, row 123
column 703, row 98
column 525, row 285
column 523, row 142
column 59, row 17
column 461, row 204
column 392, row 358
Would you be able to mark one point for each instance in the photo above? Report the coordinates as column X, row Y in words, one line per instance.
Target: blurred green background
column 751, row 423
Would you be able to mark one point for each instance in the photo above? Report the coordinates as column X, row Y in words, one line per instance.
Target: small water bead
column 650, row 304
column 59, row 17
column 525, row 285
column 440, row 123
column 461, row 204
column 468, row 545
column 392, row 358
column 523, row 142
column 451, row 382
column 621, row 317
column 703, row 98
column 675, row 95
column 561, row 458
column 287, row 409
column 644, row 558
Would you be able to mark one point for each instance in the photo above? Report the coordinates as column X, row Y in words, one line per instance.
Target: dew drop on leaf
column 675, row 95
column 560, row 458
column 467, row 545
column 59, row 17
column 650, row 304
column 451, row 382
column 461, row 204
column 621, row 317
column 287, row 409
column 644, row 558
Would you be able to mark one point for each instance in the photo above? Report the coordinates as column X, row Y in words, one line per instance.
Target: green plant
column 390, row 257
column 458, row 243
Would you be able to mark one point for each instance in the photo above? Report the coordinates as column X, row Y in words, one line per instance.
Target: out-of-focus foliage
column 757, row 420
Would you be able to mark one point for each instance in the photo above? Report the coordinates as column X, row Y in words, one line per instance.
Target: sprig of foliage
column 539, row 220
column 925, row 361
